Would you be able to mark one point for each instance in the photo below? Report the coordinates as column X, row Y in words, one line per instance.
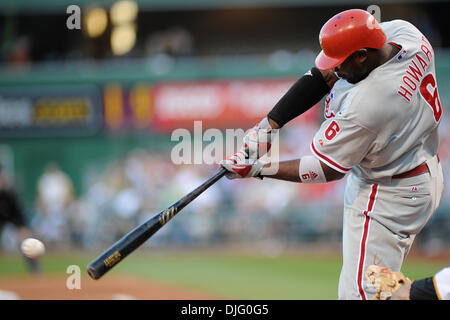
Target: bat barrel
column 122, row 248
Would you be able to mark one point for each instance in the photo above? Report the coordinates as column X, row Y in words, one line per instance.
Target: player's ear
column 361, row 56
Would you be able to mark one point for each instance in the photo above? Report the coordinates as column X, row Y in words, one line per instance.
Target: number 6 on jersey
column 332, row 130
column 431, row 96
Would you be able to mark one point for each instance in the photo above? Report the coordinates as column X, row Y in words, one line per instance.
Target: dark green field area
column 229, row 275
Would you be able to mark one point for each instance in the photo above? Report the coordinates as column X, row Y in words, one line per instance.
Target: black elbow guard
column 423, row 290
column 304, row 94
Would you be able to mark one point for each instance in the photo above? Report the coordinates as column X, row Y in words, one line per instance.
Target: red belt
column 414, row 172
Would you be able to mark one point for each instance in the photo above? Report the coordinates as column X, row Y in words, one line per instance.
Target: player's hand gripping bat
column 131, row 241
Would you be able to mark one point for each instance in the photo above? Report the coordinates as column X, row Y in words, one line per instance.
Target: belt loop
column 432, row 165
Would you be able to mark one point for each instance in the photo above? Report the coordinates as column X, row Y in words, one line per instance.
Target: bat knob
column 92, row 273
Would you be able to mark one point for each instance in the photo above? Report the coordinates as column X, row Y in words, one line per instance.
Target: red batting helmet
column 346, row 33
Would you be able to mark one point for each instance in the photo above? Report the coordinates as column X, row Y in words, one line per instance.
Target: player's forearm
column 285, row 170
column 292, row 171
column 302, row 96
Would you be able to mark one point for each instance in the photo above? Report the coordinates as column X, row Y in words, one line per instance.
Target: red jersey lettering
column 332, row 130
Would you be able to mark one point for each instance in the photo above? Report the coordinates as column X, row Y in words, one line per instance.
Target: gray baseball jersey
column 387, row 123
column 382, row 126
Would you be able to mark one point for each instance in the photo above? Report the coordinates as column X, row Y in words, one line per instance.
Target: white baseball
column 32, row 248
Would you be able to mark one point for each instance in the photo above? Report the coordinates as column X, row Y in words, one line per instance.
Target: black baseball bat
column 131, row 241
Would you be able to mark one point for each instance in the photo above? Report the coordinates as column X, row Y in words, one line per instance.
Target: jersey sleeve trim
column 329, row 161
column 436, row 288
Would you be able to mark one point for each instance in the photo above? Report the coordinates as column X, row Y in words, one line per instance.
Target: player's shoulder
column 365, row 105
column 395, row 24
column 398, row 29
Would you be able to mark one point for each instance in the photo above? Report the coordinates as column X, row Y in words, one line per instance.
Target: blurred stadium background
column 86, row 117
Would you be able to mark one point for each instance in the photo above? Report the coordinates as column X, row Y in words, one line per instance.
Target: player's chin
column 353, row 80
column 346, row 77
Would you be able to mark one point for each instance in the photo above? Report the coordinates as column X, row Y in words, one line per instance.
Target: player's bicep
column 341, row 144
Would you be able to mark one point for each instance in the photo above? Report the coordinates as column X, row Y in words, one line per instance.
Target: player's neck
column 381, row 56
column 386, row 53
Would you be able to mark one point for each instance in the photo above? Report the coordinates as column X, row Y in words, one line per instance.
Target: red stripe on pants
column 362, row 255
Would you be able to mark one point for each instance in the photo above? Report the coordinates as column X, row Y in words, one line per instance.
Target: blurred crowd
column 119, row 195
column 141, row 184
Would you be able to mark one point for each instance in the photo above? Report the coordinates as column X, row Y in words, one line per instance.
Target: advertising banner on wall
column 50, row 110
column 218, row 104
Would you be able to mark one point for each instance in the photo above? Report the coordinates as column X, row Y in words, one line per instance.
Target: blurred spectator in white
column 55, row 193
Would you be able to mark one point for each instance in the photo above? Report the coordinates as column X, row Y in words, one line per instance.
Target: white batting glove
column 257, row 141
column 239, row 166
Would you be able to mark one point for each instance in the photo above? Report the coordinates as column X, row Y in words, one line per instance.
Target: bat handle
column 205, row 185
column 222, row 171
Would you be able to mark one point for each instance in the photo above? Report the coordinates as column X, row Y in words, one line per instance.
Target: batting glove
column 239, row 166
column 257, row 141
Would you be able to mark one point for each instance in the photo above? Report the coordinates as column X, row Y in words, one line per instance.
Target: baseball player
column 382, row 115
column 11, row 212
column 436, row 287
